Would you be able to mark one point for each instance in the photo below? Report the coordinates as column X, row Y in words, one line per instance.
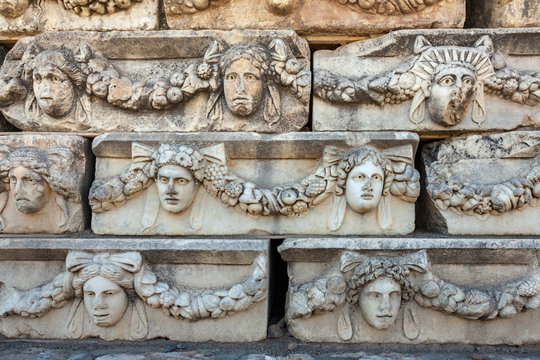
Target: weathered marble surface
column 245, row 183
column 29, row 17
column 430, row 82
column 158, row 81
column 4, row 125
column 315, row 17
column 483, row 184
column 504, row 13
column 186, row 290
column 45, row 179
column 412, row 291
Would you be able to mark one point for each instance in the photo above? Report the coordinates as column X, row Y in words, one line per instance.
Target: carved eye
column 375, row 295
column 109, row 293
column 163, row 180
column 89, row 293
column 377, row 177
column 359, row 177
column 250, row 77
column 395, row 294
column 30, row 181
column 468, row 80
column 231, row 76
column 13, row 180
column 447, row 81
column 37, row 77
column 182, row 181
column 55, row 79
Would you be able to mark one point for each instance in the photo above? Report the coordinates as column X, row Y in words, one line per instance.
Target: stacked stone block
column 205, row 150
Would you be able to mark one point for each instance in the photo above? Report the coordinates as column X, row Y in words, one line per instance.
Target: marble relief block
column 45, row 181
column 505, row 14
column 483, row 184
column 95, row 82
column 413, row 291
column 245, row 183
column 431, row 82
column 30, row 17
column 315, row 17
column 134, row 289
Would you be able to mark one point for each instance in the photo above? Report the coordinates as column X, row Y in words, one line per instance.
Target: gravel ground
column 285, row 348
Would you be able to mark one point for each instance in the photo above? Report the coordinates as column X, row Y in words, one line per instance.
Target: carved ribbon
column 78, row 260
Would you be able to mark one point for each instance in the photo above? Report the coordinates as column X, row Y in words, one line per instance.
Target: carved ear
column 151, row 208
column 411, row 328
column 215, row 154
column 417, row 112
column 272, row 105
column 344, row 326
column 478, row 113
column 214, row 108
column 138, row 325
column 213, row 53
column 74, row 326
column 198, row 209
column 384, row 213
column 421, row 44
column 484, row 44
column 338, row 213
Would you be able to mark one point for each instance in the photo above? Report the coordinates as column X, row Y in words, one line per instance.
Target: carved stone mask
column 380, row 301
column 452, row 92
column 29, row 190
column 364, row 187
column 176, row 188
column 243, row 87
column 13, row 8
column 53, row 88
column 105, row 301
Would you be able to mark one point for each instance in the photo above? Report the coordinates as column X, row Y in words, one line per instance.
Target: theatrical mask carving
column 361, row 178
column 106, row 287
column 242, row 80
column 379, row 288
column 443, row 83
column 41, row 190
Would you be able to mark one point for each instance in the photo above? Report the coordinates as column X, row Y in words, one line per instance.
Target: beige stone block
column 483, row 185
column 245, row 183
column 506, row 13
column 185, row 290
column 315, row 17
column 158, row 81
column 45, row 179
column 29, row 17
column 433, row 82
column 413, row 290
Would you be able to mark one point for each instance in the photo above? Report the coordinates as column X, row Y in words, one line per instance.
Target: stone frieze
column 29, row 17
column 484, row 184
column 315, row 17
column 199, row 81
column 437, row 81
column 385, row 293
column 117, row 295
column 367, row 185
column 44, row 183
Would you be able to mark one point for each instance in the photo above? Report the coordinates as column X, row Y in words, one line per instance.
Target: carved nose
column 240, row 86
column 170, row 189
column 367, row 186
column 98, row 303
